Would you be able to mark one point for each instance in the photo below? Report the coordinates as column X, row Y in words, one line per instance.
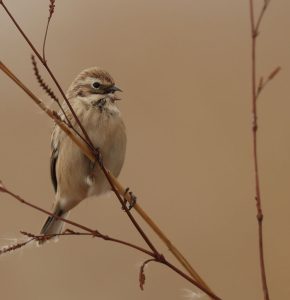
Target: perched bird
column 74, row 176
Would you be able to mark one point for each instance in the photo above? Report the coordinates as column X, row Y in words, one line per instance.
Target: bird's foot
column 133, row 199
column 98, row 157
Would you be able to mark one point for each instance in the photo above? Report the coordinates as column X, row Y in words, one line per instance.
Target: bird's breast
column 107, row 131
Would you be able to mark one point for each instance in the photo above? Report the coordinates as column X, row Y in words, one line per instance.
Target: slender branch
column 50, row 73
column 92, row 232
column 121, row 200
column 88, row 140
column 255, row 93
column 44, row 41
column 142, row 272
column 51, row 11
column 156, row 257
column 261, row 15
column 87, row 151
column 13, row 247
column 52, row 95
column 69, row 232
column 5, row 190
column 170, row 246
column 84, row 148
column 262, row 84
column 93, row 154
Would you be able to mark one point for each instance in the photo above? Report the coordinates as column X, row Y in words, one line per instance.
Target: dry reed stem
column 94, row 233
column 87, row 151
column 254, row 33
column 87, row 140
column 51, row 11
column 256, row 90
column 160, row 234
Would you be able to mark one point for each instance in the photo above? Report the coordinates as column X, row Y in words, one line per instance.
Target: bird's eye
column 96, row 85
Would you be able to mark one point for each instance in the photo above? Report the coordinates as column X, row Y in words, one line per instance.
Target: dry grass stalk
column 93, row 153
column 256, row 90
column 121, row 190
column 94, row 233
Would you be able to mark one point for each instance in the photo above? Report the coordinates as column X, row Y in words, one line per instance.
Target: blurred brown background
column 184, row 67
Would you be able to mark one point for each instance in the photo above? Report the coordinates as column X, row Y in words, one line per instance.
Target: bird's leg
column 91, row 176
column 124, row 197
column 92, row 166
column 133, row 199
column 98, row 156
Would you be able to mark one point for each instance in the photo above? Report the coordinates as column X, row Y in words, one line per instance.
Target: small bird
column 93, row 97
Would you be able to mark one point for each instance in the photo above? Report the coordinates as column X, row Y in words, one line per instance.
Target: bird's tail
column 53, row 225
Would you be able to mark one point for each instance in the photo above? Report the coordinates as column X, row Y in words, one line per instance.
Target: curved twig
column 157, row 257
column 118, row 187
column 51, row 11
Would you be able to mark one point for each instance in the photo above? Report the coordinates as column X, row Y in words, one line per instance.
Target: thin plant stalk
column 86, row 138
column 87, row 151
column 157, row 257
column 110, row 178
column 255, row 93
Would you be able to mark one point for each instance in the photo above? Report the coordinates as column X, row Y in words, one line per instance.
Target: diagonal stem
column 157, row 257
column 91, row 156
column 87, row 151
column 92, row 153
column 88, row 140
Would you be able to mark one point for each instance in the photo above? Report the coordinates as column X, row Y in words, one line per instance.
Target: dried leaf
column 142, row 273
column 142, row 278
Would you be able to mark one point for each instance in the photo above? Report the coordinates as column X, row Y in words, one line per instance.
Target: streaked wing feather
column 53, row 160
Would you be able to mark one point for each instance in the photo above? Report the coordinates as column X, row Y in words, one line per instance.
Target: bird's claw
column 133, row 199
column 98, row 156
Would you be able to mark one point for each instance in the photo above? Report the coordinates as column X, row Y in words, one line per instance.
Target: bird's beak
column 115, row 89
column 112, row 90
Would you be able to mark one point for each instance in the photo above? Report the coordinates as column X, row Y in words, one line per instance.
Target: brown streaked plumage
column 74, row 177
column 80, row 88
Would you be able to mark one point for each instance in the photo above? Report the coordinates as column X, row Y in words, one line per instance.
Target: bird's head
column 94, row 85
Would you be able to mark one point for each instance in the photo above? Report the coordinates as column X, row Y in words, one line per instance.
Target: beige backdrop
column 184, row 67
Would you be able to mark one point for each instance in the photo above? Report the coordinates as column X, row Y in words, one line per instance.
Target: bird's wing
column 53, row 158
column 56, row 137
